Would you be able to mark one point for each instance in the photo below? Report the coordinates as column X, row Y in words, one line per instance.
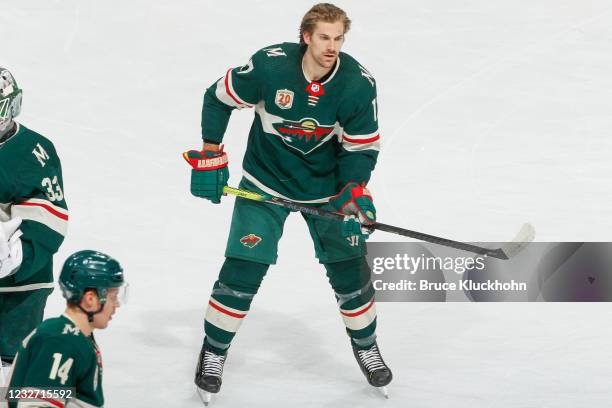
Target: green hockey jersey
column 308, row 138
column 57, row 356
column 31, row 187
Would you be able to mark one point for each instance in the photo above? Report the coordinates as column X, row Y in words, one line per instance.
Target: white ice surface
column 492, row 112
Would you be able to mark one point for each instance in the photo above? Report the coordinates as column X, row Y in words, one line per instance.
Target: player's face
column 110, row 306
column 325, row 42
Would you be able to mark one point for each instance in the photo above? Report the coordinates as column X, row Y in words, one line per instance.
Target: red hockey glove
column 355, row 200
column 209, row 173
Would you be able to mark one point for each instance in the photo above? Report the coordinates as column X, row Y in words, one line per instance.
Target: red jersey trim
column 361, row 141
column 228, row 86
column 47, row 207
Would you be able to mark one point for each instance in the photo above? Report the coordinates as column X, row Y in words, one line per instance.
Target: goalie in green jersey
column 33, row 221
column 314, row 140
column 59, row 363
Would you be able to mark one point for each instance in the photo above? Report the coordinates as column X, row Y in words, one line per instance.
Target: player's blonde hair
column 325, row 12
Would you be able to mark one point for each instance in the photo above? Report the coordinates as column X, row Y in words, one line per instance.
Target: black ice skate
column 373, row 367
column 208, row 373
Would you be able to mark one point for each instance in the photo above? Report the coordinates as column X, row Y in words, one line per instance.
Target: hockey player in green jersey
column 33, row 221
column 59, row 363
column 315, row 140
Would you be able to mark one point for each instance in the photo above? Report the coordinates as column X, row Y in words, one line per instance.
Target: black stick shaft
column 496, row 253
column 292, row 205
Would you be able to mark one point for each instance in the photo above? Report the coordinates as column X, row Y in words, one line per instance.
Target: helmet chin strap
column 90, row 315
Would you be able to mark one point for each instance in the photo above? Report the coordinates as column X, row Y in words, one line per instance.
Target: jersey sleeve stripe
column 53, row 209
column 355, row 143
column 25, row 288
column 230, row 89
column 40, row 403
column 357, row 147
column 43, row 212
column 226, row 93
column 222, row 94
column 53, row 402
column 361, row 140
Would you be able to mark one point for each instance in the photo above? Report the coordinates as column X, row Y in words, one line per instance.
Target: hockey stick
column 525, row 235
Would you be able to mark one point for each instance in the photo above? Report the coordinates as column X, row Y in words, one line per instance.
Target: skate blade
column 205, row 396
column 384, row 392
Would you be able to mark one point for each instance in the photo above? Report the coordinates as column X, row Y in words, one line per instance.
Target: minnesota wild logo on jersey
column 308, row 136
column 305, row 135
column 250, row 241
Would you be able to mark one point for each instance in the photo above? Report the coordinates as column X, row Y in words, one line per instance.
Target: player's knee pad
column 351, row 282
column 348, row 276
column 242, row 276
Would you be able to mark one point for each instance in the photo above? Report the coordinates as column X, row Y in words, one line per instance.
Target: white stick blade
column 522, row 239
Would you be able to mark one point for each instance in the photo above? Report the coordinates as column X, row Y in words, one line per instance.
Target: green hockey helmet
column 10, row 99
column 89, row 269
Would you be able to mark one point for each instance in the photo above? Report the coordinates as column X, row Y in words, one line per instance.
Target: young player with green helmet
column 33, row 220
column 315, row 140
column 59, row 363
